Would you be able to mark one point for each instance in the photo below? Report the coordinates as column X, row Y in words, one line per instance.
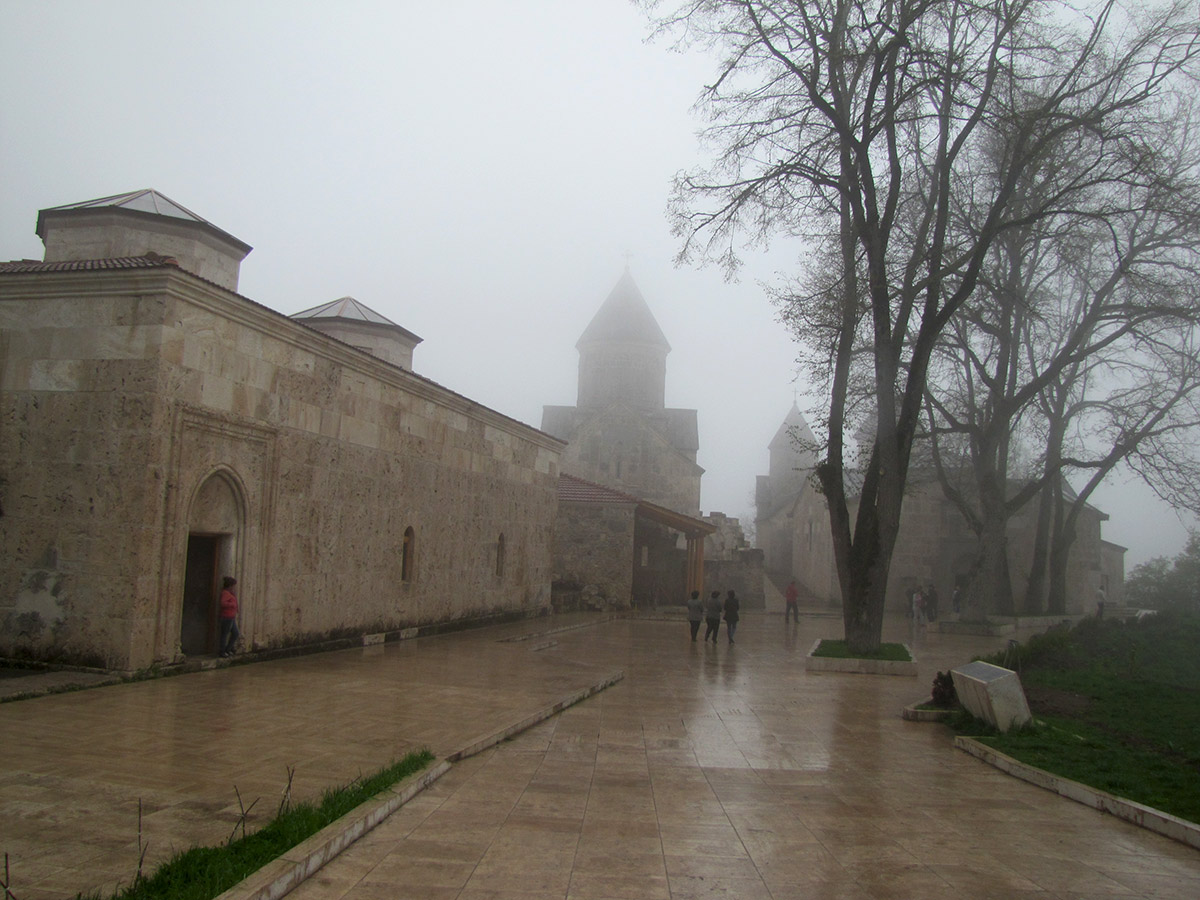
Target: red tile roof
column 576, row 490
column 86, row 265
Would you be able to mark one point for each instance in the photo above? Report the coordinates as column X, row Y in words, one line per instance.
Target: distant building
column 935, row 545
column 620, row 435
column 161, row 431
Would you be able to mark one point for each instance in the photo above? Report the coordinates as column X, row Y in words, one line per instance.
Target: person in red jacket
column 228, row 614
column 792, row 609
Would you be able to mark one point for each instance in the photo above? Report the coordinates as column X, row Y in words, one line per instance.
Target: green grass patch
column 202, row 873
column 1116, row 706
column 840, row 650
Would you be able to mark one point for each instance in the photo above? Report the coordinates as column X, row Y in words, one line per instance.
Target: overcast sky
column 479, row 172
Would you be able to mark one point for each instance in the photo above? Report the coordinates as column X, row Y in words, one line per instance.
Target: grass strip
column 202, row 873
column 840, row 650
column 1116, row 706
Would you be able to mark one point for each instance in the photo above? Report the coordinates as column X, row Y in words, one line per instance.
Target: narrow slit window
column 408, row 556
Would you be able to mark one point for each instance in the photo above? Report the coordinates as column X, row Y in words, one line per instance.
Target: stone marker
column 993, row 694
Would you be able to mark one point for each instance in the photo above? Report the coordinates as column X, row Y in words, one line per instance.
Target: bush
column 943, row 693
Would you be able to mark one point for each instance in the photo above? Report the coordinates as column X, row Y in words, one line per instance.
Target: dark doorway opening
column 198, row 630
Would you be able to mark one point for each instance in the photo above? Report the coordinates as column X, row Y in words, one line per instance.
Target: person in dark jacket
column 732, row 605
column 695, row 608
column 712, row 616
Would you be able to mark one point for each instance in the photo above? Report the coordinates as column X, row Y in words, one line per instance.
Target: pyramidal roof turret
column 344, row 308
column 358, row 325
column 147, row 201
column 794, row 427
column 141, row 223
column 624, row 318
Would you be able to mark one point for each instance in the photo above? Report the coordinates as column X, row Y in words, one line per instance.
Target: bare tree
column 1082, row 316
column 865, row 125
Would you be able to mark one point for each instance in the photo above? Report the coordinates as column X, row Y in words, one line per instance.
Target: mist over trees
column 909, row 144
column 1077, row 354
column 1167, row 584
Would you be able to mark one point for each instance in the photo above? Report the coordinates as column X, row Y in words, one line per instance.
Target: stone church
column 935, row 546
column 158, row 431
column 621, row 433
column 631, row 482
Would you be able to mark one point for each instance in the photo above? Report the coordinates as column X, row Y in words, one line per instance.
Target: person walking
column 732, row 605
column 228, row 613
column 695, row 613
column 792, row 596
column 918, row 606
column 712, row 616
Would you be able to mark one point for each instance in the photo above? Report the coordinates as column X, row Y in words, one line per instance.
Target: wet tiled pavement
column 708, row 771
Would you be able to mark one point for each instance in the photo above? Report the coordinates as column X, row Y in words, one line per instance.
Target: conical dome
column 624, row 317
column 623, row 353
column 792, row 449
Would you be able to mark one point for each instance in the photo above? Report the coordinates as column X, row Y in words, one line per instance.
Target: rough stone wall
column 743, row 573
column 726, row 540
column 593, row 554
column 109, row 233
column 629, row 372
column 124, row 393
column 617, row 448
column 813, row 565
column 1112, row 571
column 382, row 342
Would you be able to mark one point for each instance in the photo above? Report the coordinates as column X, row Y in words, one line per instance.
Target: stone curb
column 541, row 715
column 1136, row 813
column 530, row 635
column 914, row 714
column 277, row 878
column 859, row 666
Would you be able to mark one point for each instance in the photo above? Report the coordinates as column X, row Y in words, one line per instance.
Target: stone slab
column 280, row 877
column 992, row 693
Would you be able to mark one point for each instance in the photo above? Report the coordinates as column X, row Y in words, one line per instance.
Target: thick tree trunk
column 993, row 583
column 1037, row 589
column 992, row 588
column 864, row 596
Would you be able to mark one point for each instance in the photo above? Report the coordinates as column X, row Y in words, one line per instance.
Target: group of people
column 709, row 611
column 923, row 604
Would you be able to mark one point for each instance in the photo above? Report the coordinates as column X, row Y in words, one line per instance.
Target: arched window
column 408, row 559
column 500, row 555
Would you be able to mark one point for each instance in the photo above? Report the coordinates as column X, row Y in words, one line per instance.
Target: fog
column 478, row 172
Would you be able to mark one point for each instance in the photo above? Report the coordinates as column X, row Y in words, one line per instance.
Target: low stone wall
column 743, row 574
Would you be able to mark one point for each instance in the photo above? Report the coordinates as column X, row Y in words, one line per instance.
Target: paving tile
column 706, row 772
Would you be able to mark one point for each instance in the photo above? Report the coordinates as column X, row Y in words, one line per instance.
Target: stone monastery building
column 158, row 431
column 629, row 501
column 935, row 547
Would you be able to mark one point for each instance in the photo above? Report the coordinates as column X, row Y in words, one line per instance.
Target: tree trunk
column 993, row 583
column 863, row 597
column 1038, row 587
column 1060, row 550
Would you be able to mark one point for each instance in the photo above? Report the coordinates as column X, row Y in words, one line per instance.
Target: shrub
column 943, row 693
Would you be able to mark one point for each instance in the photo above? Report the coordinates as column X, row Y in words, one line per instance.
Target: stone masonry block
column 993, row 694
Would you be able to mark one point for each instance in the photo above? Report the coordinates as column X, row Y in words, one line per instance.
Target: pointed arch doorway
column 215, row 524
